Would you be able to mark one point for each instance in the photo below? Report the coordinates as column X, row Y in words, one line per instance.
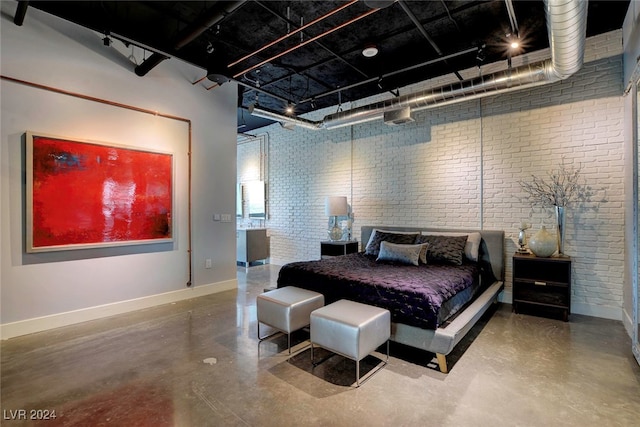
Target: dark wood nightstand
column 339, row 247
column 542, row 283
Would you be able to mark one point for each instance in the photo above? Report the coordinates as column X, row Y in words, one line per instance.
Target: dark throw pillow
column 377, row 237
column 444, row 249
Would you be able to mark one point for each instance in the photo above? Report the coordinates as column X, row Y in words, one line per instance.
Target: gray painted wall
column 51, row 52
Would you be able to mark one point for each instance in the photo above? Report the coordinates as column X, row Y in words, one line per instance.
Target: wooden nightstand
column 542, row 283
column 339, row 247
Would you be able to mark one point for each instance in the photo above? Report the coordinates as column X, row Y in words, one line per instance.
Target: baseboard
column 612, row 313
column 597, row 311
column 627, row 321
column 506, row 296
column 39, row 324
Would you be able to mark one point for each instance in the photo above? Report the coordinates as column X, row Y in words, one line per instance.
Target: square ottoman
column 351, row 329
column 287, row 309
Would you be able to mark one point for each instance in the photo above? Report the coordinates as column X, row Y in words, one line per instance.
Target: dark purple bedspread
column 413, row 294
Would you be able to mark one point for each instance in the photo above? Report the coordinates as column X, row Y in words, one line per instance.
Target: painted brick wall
column 458, row 166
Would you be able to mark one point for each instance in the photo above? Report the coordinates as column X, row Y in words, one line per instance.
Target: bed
column 434, row 300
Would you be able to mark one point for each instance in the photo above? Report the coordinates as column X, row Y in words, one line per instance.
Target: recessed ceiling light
column 370, row 51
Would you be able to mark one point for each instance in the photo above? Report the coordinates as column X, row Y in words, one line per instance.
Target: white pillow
column 471, row 248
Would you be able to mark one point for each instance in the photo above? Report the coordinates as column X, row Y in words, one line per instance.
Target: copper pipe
column 319, row 36
column 286, row 36
column 140, row 110
column 199, row 80
column 189, row 210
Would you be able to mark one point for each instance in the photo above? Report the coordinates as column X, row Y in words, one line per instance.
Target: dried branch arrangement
column 561, row 187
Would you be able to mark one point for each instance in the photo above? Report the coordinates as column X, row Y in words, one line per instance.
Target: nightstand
column 330, row 248
column 542, row 283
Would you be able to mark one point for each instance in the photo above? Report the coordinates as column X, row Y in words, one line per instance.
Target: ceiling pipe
column 390, row 74
column 566, row 27
column 512, row 17
column 296, row 31
column 306, row 42
column 424, row 33
column 317, row 43
column 21, row 12
column 419, row 27
column 190, row 33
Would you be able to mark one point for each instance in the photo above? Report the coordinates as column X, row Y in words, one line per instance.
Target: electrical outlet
column 207, row 263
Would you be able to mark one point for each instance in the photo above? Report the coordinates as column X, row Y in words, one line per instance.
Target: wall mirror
column 636, row 281
column 254, row 191
column 252, row 176
column 239, row 201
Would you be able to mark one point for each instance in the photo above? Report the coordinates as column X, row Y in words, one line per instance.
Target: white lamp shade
column 336, row 206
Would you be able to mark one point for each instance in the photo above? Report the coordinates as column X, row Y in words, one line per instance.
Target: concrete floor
column 198, row 363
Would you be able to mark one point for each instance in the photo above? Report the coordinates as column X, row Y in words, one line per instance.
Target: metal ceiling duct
column 272, row 115
column 566, row 27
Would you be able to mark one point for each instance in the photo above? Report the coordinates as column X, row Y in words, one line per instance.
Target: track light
column 481, row 55
column 289, row 108
column 514, row 41
column 254, row 104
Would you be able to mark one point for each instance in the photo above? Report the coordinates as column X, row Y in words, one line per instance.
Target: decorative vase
column 560, row 227
column 522, row 241
column 543, row 243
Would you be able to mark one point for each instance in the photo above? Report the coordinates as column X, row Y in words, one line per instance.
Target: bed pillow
column 444, row 249
column 423, row 253
column 403, row 254
column 471, row 248
column 378, row 236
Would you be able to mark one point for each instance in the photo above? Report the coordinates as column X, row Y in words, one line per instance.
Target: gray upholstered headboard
column 491, row 249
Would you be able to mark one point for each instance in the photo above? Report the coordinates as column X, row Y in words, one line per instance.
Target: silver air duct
column 566, row 26
column 272, row 115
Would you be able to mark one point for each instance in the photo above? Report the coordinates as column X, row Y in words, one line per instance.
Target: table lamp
column 336, row 206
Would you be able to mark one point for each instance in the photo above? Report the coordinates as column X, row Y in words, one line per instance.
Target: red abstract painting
column 84, row 194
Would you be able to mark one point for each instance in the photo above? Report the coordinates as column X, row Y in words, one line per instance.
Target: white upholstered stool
column 351, row 329
column 287, row 309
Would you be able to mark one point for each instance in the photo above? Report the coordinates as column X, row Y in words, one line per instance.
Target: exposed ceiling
column 309, row 54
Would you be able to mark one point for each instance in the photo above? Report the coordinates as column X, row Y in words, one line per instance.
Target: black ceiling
column 322, row 65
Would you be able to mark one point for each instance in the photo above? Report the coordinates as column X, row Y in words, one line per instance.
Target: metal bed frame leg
column 275, row 333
